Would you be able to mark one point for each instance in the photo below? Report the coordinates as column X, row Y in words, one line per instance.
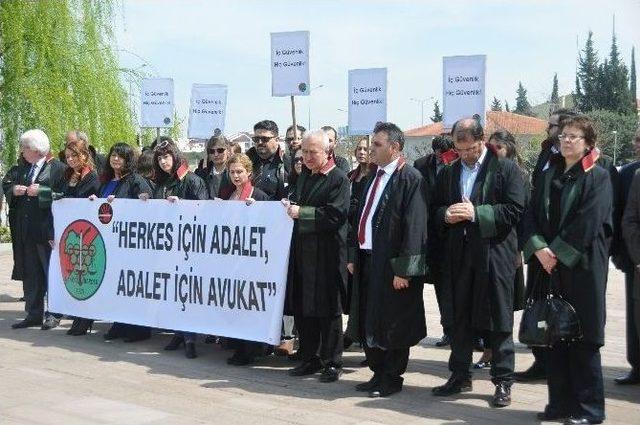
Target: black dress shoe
column 454, row 385
column 630, row 378
column 369, row 385
column 330, row 374
column 307, row 368
column 80, row 327
column 502, row 396
column 581, row 420
column 190, row 350
column 444, row 341
column 551, row 416
column 385, row 390
column 535, row 373
column 175, row 343
column 27, row 323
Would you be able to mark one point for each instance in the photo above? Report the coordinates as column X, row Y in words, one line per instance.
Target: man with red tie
column 387, row 259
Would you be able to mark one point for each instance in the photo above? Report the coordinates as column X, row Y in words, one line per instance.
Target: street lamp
column 421, row 102
column 615, row 145
column 309, row 105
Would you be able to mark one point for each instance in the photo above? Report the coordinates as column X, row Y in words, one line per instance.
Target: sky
column 228, row 42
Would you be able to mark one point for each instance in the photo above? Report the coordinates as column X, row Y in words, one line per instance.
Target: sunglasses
column 298, row 159
column 261, row 139
column 161, row 145
column 215, row 150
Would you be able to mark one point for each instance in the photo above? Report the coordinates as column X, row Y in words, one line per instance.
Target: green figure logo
column 83, row 259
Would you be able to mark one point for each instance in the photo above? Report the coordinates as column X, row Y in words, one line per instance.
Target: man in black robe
column 316, row 287
column 429, row 166
column 479, row 200
column 30, row 195
column 389, row 262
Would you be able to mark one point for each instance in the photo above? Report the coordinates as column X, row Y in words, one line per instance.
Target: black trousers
column 501, row 343
column 36, row 268
column 321, row 337
column 444, row 299
column 575, row 380
column 633, row 341
column 389, row 365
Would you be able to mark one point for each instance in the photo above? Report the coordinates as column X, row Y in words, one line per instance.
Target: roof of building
column 495, row 120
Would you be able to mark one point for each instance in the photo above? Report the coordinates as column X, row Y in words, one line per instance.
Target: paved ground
column 47, row 377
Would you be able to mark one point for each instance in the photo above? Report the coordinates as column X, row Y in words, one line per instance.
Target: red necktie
column 367, row 207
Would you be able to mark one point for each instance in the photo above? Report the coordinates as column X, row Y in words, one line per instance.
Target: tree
column 506, row 106
column 587, row 77
column 614, row 88
column 437, row 115
column 58, row 72
column 523, row 107
column 496, row 105
column 625, row 125
column 632, row 80
column 554, row 100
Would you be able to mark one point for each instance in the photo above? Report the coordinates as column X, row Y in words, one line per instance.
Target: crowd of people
column 366, row 239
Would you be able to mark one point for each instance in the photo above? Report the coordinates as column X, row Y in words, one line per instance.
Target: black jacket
column 271, row 176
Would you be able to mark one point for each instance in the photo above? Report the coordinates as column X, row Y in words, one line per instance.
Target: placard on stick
column 156, row 99
column 463, row 84
column 367, row 99
column 290, row 63
column 208, row 110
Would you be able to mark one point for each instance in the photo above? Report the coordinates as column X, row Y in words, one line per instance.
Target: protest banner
column 367, row 99
column 290, row 63
column 211, row 267
column 208, row 110
column 463, row 84
column 156, row 97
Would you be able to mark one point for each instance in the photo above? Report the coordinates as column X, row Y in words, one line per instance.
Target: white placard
column 290, row 63
column 208, row 109
column 367, row 99
column 211, row 267
column 156, row 98
column 463, row 83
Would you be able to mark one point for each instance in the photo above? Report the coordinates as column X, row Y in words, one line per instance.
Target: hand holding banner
column 367, row 99
column 290, row 63
column 208, row 110
column 156, row 97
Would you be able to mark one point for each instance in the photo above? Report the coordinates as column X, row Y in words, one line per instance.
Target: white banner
column 156, row 98
column 208, row 109
column 367, row 99
column 211, row 267
column 290, row 63
column 463, row 79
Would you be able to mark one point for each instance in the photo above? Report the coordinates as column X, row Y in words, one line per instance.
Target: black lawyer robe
column 317, row 278
column 581, row 243
column 498, row 195
column 395, row 319
column 16, row 244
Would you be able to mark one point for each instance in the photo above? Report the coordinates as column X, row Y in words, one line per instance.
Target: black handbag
column 547, row 317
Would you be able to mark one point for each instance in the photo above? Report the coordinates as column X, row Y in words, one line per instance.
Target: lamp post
column 309, row 105
column 421, row 102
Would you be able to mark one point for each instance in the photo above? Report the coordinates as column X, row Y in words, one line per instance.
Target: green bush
column 5, row 234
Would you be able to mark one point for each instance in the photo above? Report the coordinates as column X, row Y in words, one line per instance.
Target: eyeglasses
column 297, row 159
column 215, row 150
column 569, row 137
column 470, row 149
column 261, row 139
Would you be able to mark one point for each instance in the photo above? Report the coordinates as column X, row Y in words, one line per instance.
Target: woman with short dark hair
column 567, row 227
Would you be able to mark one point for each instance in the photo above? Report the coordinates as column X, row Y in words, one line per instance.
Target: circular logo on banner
column 83, row 259
column 167, row 120
column 105, row 213
column 302, row 87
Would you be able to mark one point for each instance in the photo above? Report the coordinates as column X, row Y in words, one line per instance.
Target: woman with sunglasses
column 121, row 181
column 80, row 181
column 174, row 181
column 213, row 169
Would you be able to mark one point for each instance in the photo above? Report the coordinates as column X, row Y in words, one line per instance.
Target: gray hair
column 318, row 135
column 35, row 140
column 79, row 135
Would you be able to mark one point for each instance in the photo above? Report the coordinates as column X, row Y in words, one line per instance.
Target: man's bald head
column 467, row 128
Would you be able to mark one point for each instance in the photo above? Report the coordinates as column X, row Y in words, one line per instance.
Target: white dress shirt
column 368, row 231
column 38, row 167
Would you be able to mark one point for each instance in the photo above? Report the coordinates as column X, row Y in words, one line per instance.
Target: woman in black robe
column 119, row 180
column 175, row 181
column 567, row 226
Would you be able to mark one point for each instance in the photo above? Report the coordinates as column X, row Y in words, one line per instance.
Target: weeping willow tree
column 59, row 71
